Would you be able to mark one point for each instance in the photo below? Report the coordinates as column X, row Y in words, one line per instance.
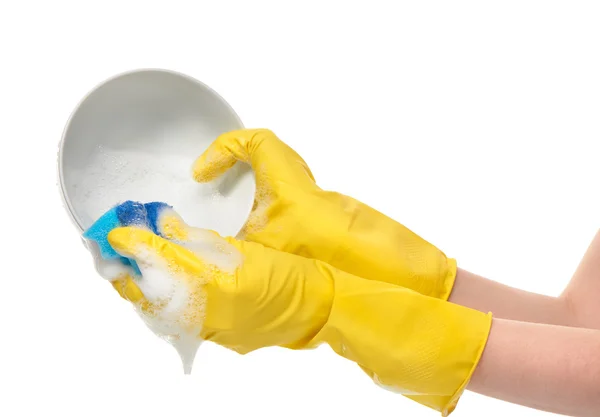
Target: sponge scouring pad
column 129, row 213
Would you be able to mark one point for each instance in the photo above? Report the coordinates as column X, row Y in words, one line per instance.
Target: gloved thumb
column 260, row 148
column 172, row 227
column 220, row 156
column 150, row 250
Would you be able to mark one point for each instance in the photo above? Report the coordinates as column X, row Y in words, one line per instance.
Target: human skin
column 577, row 306
column 474, row 291
column 547, row 367
column 543, row 352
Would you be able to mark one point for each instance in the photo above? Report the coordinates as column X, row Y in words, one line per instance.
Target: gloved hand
column 292, row 214
column 250, row 296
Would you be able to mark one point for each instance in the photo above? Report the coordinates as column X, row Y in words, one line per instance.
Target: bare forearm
column 550, row 368
column 577, row 307
column 479, row 293
column 584, row 288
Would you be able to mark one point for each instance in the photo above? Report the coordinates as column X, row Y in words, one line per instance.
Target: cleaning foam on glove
column 169, row 305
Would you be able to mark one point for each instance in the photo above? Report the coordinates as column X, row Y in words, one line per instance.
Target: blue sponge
column 129, row 213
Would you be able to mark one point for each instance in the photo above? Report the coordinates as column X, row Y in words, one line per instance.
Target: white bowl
column 135, row 137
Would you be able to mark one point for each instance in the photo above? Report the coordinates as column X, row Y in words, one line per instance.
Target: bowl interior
column 136, row 136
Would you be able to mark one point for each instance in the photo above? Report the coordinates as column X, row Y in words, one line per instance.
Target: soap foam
column 177, row 302
column 112, row 176
column 179, row 319
column 213, row 249
column 177, row 305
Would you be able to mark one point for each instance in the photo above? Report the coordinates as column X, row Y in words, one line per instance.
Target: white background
column 475, row 124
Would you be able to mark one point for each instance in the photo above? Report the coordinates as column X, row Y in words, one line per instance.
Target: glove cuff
column 447, row 282
column 422, row 347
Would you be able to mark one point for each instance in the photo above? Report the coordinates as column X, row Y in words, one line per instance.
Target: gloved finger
column 128, row 289
column 117, row 273
column 260, row 148
column 150, row 251
column 171, row 226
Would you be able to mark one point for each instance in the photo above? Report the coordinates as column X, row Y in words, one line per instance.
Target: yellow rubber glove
column 246, row 296
column 292, row 214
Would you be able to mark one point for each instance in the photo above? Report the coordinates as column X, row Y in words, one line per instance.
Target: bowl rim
column 61, row 146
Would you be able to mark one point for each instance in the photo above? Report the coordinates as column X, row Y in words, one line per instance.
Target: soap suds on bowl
column 115, row 175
